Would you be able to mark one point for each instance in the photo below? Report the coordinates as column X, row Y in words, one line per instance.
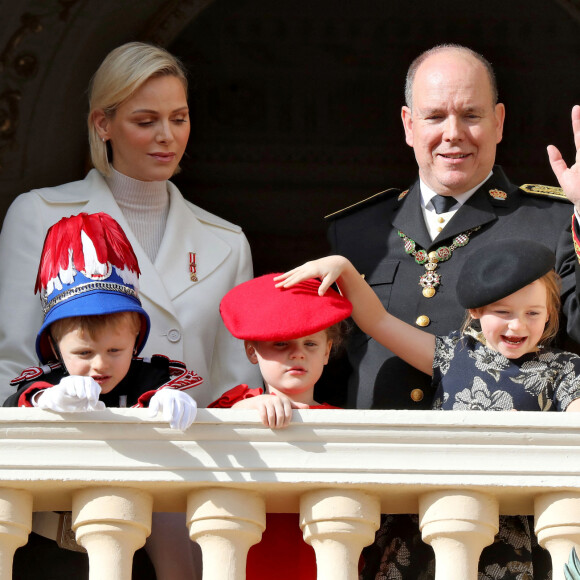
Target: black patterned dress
column 469, row 376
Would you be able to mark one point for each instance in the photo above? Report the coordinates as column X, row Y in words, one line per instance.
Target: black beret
column 500, row 269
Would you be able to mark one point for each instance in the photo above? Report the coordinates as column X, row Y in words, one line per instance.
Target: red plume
column 110, row 242
column 119, row 250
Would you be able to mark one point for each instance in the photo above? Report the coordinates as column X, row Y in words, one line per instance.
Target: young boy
column 289, row 333
column 94, row 327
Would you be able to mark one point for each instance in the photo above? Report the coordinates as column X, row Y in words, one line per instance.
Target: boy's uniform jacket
column 144, row 378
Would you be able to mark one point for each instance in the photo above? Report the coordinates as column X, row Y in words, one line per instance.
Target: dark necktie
column 443, row 203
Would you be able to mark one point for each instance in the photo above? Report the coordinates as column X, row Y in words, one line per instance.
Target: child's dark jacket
column 145, row 377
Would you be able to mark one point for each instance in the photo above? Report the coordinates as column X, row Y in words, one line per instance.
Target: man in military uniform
column 411, row 245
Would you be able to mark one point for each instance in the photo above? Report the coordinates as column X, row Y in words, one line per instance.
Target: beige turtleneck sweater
column 145, row 205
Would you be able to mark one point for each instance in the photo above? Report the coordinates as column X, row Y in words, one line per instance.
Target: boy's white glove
column 178, row 408
column 73, row 394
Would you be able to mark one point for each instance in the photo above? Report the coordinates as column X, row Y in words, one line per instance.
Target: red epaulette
column 32, row 373
column 180, row 377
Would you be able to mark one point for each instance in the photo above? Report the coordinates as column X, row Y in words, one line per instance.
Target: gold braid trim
column 544, row 190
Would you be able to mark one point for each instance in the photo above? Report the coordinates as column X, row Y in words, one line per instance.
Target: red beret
column 257, row 310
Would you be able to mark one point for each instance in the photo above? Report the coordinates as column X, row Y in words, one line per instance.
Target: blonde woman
column 138, row 126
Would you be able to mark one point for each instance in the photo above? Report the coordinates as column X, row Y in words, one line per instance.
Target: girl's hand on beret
column 326, row 269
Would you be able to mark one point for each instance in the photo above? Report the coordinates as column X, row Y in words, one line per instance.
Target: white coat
column 185, row 320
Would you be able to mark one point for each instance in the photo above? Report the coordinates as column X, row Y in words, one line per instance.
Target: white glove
column 178, row 408
column 72, row 394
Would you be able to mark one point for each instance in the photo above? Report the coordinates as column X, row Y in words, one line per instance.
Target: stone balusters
column 458, row 525
column 226, row 523
column 15, row 525
column 111, row 523
column 338, row 524
column 557, row 527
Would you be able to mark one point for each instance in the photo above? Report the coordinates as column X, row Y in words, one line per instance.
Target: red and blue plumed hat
column 257, row 310
column 88, row 267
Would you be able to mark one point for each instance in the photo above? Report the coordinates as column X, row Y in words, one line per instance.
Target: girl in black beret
column 498, row 361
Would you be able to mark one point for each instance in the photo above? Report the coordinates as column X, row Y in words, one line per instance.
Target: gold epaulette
column 545, row 191
column 369, row 200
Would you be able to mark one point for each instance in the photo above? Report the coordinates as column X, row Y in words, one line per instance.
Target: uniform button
column 441, row 220
column 423, row 320
column 174, row 335
column 439, row 229
column 417, row 395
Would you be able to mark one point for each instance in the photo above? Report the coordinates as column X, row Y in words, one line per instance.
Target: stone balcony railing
column 338, row 469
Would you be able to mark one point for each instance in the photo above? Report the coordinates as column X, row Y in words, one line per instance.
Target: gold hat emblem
column 498, row 194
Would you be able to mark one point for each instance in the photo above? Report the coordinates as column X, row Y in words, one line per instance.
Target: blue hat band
column 88, row 287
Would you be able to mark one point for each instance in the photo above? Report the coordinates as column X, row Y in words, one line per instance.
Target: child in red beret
column 289, row 333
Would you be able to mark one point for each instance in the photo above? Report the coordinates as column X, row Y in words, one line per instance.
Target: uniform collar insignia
column 498, row 194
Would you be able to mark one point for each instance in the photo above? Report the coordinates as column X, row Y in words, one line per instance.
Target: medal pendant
column 192, row 267
column 430, row 280
column 429, row 292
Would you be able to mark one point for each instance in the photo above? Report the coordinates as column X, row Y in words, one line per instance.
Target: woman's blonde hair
column 122, row 73
column 552, row 282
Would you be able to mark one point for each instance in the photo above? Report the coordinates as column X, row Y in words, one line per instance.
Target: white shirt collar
column 436, row 222
column 427, row 193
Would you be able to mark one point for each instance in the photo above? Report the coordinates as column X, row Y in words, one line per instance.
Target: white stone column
column 226, row 523
column 557, row 526
column 458, row 525
column 111, row 523
column 338, row 524
column 15, row 525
